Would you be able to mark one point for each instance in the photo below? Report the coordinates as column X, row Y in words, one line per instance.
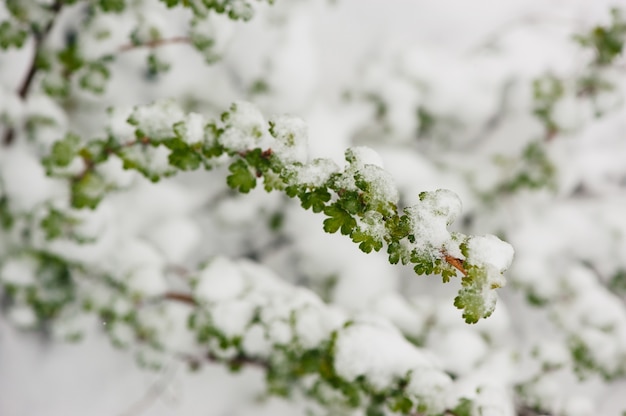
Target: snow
column 493, row 400
column 25, row 181
column 579, row 406
column 154, row 160
column 314, row 174
column 314, row 324
column 232, row 317
column 489, row 250
column 113, row 172
column 220, row 280
column 382, row 185
column 373, row 224
column 430, row 218
column 40, row 106
column 457, row 68
column 459, row 361
column 194, row 128
column 147, row 281
column 118, row 126
column 380, row 355
column 135, row 253
column 22, row 316
column 241, row 210
column 361, row 156
column 176, row 239
column 410, row 318
column 354, row 291
column 246, row 128
column 551, row 353
column 279, row 332
column 20, row 272
column 11, row 106
column 281, row 305
column 157, row 120
column 255, row 343
column 292, row 136
column 431, row 387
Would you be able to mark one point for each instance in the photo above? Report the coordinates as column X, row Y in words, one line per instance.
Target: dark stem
column 40, row 38
column 155, row 43
column 180, row 297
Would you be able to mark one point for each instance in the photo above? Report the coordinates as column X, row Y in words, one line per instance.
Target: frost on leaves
column 252, row 316
column 360, row 200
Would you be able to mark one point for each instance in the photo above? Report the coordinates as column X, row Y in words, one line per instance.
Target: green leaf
column 471, row 296
column 88, row 191
column 423, row 263
column 240, row 178
column 374, row 410
column 116, row 6
column 53, row 224
column 276, row 221
column 398, row 227
column 582, row 356
column 607, row 42
column 171, row 3
column 368, row 243
column 260, row 160
column 315, row 199
column 63, row 152
column 394, row 250
column 185, row 159
column 6, row 218
column 70, row 59
column 447, row 272
column 464, row 408
column 293, row 190
column 156, row 66
column 402, row 405
column 272, row 181
column 351, row 202
column 617, row 283
column 97, row 151
column 535, row 299
column 94, row 77
column 11, row 36
column 338, row 219
column 426, row 122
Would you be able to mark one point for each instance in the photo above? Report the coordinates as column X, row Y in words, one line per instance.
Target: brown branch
column 454, row 262
column 180, row 297
column 154, row 43
column 90, row 165
column 40, row 38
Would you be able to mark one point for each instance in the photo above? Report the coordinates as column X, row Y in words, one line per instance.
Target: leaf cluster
column 606, row 41
column 348, row 199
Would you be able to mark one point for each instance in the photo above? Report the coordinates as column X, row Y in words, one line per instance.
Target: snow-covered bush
column 157, row 186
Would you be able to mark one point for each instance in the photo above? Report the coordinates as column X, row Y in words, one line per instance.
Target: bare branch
column 40, row 38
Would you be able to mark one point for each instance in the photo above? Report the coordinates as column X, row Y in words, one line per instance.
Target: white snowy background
column 466, row 52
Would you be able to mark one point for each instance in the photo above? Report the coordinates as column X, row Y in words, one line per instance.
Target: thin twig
column 456, row 263
column 154, row 43
column 180, row 297
column 40, row 38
